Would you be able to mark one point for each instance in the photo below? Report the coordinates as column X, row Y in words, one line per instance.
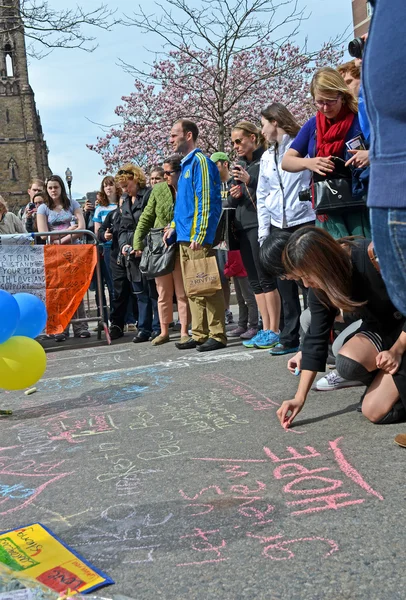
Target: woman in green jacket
column 159, row 213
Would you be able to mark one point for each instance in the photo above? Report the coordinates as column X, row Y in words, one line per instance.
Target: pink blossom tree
column 223, row 65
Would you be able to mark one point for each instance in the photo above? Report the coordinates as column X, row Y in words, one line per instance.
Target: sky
column 75, row 90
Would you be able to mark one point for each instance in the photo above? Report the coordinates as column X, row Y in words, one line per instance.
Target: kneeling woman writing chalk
column 341, row 275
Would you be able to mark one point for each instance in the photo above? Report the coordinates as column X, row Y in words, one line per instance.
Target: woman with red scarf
column 324, row 137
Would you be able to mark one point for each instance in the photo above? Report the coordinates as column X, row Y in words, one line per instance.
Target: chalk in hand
column 30, row 391
column 297, row 371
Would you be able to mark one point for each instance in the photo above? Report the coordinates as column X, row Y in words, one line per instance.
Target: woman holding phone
column 108, row 202
column 250, row 145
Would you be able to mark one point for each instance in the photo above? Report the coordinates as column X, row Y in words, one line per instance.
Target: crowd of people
column 286, row 220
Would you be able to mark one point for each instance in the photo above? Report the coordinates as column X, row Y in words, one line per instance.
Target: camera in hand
column 356, row 47
column 31, row 206
column 305, row 195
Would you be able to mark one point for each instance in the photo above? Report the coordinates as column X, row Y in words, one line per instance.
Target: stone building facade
column 23, row 151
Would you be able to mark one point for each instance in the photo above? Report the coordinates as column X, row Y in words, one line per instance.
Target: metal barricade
column 79, row 234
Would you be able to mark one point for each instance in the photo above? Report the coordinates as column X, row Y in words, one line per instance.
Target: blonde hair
column 329, row 81
column 136, row 172
column 3, row 204
column 248, row 129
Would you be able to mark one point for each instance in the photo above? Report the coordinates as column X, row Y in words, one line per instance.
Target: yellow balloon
column 22, row 362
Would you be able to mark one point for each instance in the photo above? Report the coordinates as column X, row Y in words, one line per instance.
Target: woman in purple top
column 322, row 138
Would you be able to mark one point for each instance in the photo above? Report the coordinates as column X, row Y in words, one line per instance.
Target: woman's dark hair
column 174, row 160
column 103, row 200
column 312, row 252
column 64, row 196
column 271, row 251
column 284, row 118
column 40, row 195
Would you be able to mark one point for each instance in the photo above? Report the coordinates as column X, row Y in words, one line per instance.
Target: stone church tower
column 23, row 151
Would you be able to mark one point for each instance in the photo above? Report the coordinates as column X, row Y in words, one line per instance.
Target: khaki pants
column 166, row 285
column 208, row 312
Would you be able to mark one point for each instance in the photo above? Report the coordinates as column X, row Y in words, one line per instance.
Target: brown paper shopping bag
column 201, row 276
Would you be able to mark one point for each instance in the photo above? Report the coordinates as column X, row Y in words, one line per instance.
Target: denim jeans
column 148, row 319
column 389, row 235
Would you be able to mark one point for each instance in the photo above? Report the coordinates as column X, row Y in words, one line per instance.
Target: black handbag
column 157, row 259
column 335, row 195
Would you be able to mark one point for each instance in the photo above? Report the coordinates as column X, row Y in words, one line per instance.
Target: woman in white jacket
column 279, row 206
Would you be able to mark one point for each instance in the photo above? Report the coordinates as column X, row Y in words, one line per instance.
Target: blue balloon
column 33, row 315
column 9, row 316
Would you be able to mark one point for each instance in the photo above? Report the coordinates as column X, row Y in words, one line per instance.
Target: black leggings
column 260, row 282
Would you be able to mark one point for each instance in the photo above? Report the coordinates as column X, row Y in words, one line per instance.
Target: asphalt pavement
column 169, row 471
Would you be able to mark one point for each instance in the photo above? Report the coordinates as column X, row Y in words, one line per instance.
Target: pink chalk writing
column 284, row 546
column 349, row 470
column 257, row 400
column 75, row 431
column 307, row 487
column 324, row 503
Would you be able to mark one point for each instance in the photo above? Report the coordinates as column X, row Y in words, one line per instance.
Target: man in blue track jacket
column 197, row 213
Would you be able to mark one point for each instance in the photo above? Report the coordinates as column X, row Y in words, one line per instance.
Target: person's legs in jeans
column 153, row 294
column 249, row 299
column 389, row 236
column 144, row 307
column 242, row 307
column 80, row 328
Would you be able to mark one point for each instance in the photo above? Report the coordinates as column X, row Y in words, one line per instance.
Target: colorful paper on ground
column 39, row 555
column 59, row 275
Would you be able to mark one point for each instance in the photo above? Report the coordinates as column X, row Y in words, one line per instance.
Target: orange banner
column 68, row 273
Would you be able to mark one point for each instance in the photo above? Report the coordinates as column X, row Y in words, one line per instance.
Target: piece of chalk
column 31, row 391
column 297, row 371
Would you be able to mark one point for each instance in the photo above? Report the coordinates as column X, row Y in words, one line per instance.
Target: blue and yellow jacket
column 198, row 200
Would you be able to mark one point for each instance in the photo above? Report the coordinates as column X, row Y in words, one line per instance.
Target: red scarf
column 331, row 134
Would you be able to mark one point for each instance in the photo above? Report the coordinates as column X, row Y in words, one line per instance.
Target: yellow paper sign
column 39, row 555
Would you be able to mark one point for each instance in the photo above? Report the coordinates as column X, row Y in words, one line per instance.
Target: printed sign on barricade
column 59, row 275
column 39, row 555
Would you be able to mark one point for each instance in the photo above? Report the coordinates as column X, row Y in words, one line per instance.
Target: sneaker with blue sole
column 252, row 343
column 269, row 339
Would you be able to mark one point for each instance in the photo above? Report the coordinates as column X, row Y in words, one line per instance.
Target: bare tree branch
column 46, row 28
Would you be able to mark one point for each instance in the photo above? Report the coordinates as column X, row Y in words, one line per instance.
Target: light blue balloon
column 33, row 315
column 9, row 316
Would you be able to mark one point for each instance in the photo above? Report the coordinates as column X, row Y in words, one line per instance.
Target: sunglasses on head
column 122, row 172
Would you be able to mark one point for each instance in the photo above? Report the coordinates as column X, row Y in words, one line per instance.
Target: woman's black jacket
column 378, row 314
column 246, row 206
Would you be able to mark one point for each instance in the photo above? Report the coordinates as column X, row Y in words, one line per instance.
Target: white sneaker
column 333, row 381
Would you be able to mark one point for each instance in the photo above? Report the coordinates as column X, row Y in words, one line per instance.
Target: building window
column 9, row 60
column 13, row 169
column 7, row 115
column 369, row 9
